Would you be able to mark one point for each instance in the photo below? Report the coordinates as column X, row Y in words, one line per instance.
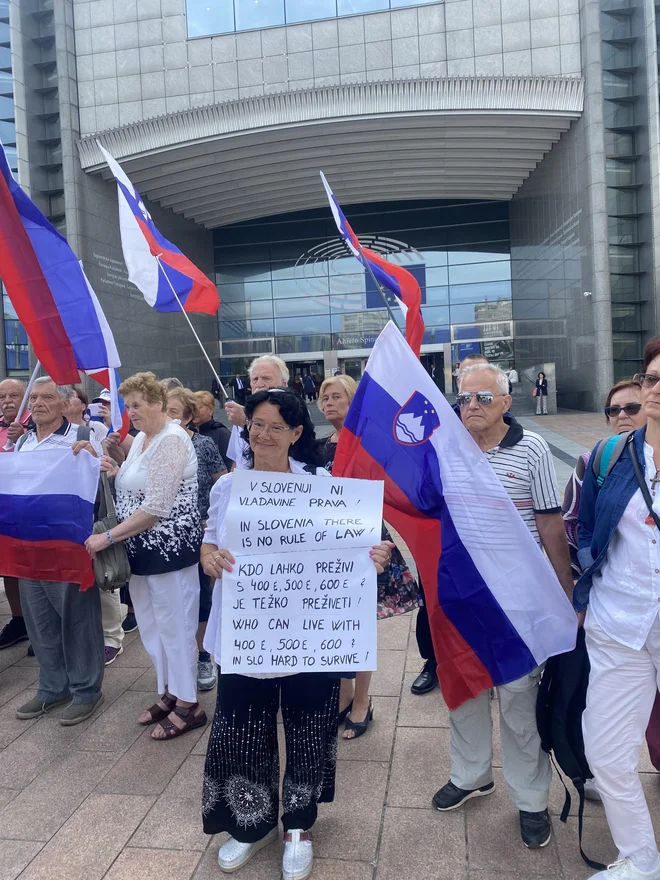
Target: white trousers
column 113, row 634
column 622, row 688
column 166, row 608
column 525, row 765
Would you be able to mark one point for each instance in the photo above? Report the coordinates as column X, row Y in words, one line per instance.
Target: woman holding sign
column 241, row 776
column 397, row 588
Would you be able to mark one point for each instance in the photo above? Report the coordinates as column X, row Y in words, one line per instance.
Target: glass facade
column 16, row 347
column 289, row 286
column 207, row 17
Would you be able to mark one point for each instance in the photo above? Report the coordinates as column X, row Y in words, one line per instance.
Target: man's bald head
column 11, row 395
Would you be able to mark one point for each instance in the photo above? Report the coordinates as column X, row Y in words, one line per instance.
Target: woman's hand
column 95, row 543
column 109, row 466
column 112, row 448
column 215, row 561
column 381, row 555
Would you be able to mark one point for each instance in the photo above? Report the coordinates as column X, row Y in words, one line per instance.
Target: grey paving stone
column 16, row 855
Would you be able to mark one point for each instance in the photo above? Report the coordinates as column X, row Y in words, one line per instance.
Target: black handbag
column 111, row 567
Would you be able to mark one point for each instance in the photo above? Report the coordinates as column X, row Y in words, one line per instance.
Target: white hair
column 65, row 391
column 500, row 375
column 271, row 359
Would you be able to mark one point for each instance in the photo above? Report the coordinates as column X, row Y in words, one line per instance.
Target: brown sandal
column 184, row 712
column 157, row 713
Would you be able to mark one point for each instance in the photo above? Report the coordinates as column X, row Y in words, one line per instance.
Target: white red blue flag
column 109, row 379
column 48, row 289
column 46, row 515
column 392, row 277
column 496, row 609
column 155, row 265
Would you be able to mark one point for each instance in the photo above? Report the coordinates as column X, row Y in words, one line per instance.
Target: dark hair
column 295, row 413
column 651, row 351
column 80, row 394
column 541, row 374
column 620, row 386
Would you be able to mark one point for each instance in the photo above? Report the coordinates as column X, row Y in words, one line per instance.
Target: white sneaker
column 591, row 793
column 206, row 677
column 234, row 854
column 624, row 869
column 298, row 858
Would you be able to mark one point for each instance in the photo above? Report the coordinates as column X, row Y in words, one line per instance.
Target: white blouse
column 216, row 533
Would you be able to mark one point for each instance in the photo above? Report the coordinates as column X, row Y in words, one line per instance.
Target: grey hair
column 171, row 383
column 271, row 359
column 500, row 375
column 65, row 392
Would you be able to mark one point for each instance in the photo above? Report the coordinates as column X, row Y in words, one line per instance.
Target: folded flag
column 394, row 278
column 47, row 287
column 46, row 515
column 155, row 266
column 496, row 609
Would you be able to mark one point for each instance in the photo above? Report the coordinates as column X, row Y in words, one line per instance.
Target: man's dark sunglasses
column 630, row 409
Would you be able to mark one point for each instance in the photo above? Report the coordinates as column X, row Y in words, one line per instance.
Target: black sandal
column 343, row 715
column 157, row 712
column 187, row 714
column 359, row 727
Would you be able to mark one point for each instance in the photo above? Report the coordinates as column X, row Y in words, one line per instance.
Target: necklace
column 655, row 480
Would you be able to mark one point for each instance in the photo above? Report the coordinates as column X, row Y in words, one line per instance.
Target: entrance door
column 434, row 364
column 353, row 367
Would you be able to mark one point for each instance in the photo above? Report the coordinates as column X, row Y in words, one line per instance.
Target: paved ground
column 104, row 800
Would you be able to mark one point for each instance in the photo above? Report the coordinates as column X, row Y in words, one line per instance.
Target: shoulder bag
column 111, row 566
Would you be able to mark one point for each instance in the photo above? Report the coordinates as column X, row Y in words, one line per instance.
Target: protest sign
column 302, row 595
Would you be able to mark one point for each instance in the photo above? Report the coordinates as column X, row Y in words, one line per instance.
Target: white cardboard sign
column 302, row 595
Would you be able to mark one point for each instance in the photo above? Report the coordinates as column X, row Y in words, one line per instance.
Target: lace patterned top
column 208, row 463
column 161, row 481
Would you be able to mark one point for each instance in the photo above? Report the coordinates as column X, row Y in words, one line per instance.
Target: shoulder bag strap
column 110, row 512
column 641, row 481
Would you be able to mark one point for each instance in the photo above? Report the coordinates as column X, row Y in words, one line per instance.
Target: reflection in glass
column 312, row 305
column 475, row 272
column 210, row 17
column 6, row 108
column 258, row 13
column 7, row 133
column 350, row 7
column 303, row 325
column 353, row 302
column 471, row 293
column 308, row 10
column 243, row 329
column 5, row 57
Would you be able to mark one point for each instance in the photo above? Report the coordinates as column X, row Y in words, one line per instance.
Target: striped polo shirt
column 523, row 462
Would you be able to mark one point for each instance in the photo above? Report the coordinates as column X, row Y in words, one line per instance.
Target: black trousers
column 241, row 774
column 423, row 632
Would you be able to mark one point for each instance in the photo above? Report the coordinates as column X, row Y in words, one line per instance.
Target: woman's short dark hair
column 651, row 351
column 541, row 374
column 295, row 413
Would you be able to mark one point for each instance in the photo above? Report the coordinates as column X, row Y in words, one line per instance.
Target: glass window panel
column 6, row 82
column 615, row 28
column 470, row 293
column 616, row 55
column 302, row 325
column 618, row 115
column 350, row 7
column 291, row 287
column 480, row 272
column 458, row 258
column 481, row 313
column 619, row 143
column 624, row 288
column 626, row 317
column 437, row 276
column 621, row 201
column 4, row 8
column 437, row 296
column 5, row 57
column 258, row 13
column 7, row 133
column 310, row 305
column 434, row 258
column 12, row 158
column 245, row 311
column 354, row 283
column 622, row 230
column 6, row 108
column 245, row 329
column 434, row 316
column 627, row 346
column 623, row 259
column 618, row 172
column 307, row 10
column 361, row 323
column 354, row 302
column 209, row 17
column 248, row 290
column 309, row 342
column 4, row 32
column 617, row 85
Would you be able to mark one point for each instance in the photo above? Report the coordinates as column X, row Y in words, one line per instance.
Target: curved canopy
column 462, row 137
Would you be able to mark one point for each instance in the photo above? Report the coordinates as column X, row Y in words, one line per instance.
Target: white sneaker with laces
column 233, row 854
column 625, row 869
column 206, row 677
column 298, row 858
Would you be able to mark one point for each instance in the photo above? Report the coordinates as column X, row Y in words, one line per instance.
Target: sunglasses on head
column 485, row 398
column 630, row 409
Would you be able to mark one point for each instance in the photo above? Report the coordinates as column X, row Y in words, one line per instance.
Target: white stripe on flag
column 49, row 472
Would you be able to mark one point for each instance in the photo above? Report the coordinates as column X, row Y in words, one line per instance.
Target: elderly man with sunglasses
column 523, row 462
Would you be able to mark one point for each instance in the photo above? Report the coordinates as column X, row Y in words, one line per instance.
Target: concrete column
column 596, row 197
column 653, row 110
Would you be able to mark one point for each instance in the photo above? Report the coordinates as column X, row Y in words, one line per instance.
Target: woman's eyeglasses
column 630, row 409
column 258, row 427
column 485, row 398
column 646, row 380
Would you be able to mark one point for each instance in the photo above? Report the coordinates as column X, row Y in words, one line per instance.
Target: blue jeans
column 64, row 626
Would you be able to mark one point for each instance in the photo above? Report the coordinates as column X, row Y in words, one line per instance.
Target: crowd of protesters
column 172, row 478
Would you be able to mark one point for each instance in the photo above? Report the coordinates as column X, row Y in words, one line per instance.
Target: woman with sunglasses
column 619, row 543
column 241, row 774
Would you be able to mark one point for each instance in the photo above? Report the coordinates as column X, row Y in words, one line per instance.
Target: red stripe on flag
column 203, row 296
column 461, row 673
column 411, row 296
column 30, row 295
column 61, row 561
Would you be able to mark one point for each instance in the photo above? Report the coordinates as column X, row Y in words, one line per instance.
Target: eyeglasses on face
column 485, row 398
column 630, row 409
column 257, row 427
column 646, row 380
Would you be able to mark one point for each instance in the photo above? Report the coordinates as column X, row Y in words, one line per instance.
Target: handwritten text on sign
column 302, row 596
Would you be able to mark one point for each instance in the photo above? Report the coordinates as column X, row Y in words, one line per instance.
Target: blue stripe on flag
column 46, row 517
column 463, row 594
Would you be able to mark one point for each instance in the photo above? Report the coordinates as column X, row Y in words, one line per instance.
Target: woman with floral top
column 159, row 521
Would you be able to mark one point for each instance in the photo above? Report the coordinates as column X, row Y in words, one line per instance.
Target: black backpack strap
column 595, row 866
column 641, row 481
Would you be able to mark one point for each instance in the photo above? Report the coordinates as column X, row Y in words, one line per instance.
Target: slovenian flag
column 47, row 514
column 48, row 289
column 394, row 278
column 155, row 266
column 496, row 609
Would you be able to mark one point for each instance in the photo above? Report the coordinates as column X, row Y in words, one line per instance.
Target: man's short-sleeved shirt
column 4, row 428
column 66, row 435
column 523, row 462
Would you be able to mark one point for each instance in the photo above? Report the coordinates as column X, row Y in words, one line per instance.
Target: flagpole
column 185, row 314
column 9, row 444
